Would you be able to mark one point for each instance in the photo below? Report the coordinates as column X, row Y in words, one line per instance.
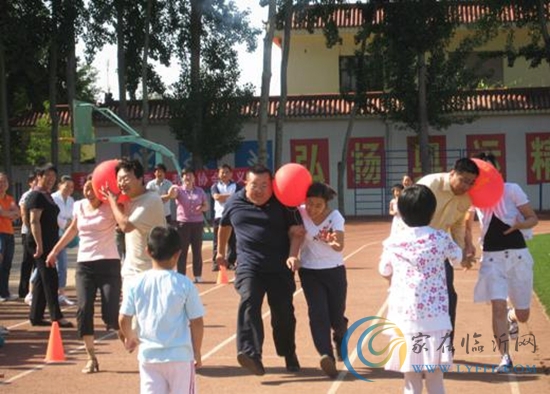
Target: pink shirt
column 187, row 203
column 96, row 229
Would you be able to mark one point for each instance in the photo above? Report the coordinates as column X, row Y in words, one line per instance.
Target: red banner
column 489, row 143
column 366, row 163
column 438, row 154
column 312, row 154
column 537, row 146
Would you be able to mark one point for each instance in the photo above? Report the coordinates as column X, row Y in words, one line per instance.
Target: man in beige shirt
column 451, row 192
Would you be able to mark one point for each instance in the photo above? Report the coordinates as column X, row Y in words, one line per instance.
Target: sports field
column 21, row 358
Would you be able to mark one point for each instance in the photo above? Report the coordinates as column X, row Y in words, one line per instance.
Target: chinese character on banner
column 438, row 154
column 489, row 143
column 537, row 147
column 366, row 163
column 312, row 154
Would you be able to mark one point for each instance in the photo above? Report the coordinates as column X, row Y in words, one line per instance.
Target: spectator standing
column 65, row 202
column 224, row 188
column 8, row 213
column 162, row 186
column 191, row 203
column 27, row 263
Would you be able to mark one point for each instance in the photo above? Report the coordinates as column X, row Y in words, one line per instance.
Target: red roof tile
column 351, row 15
column 530, row 100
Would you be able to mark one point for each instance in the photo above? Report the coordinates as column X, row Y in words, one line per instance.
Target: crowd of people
column 267, row 244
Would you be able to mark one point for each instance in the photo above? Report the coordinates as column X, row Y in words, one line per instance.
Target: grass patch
column 539, row 247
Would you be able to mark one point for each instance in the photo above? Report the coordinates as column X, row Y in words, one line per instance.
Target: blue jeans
column 61, row 265
column 7, row 247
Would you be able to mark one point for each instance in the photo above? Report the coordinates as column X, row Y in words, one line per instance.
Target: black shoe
column 65, row 323
column 41, row 323
column 215, row 268
column 292, row 364
column 253, row 364
column 328, row 365
column 232, row 267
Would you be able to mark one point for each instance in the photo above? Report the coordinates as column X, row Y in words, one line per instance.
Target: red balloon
column 489, row 185
column 104, row 175
column 291, row 183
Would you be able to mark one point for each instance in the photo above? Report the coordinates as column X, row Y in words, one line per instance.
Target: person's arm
column 11, row 213
column 336, row 240
column 224, row 232
column 530, row 219
column 128, row 336
column 24, row 218
column 392, row 209
column 205, row 206
column 296, row 234
column 122, row 219
column 197, row 333
column 463, row 239
column 67, row 237
column 36, row 231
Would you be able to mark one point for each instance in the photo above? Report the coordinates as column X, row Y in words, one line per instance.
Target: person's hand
column 107, row 193
column 221, row 261
column 173, row 191
column 38, row 252
column 293, row 263
column 467, row 262
column 51, row 259
column 198, row 360
column 131, row 344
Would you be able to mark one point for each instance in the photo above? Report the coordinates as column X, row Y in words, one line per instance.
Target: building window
column 349, row 70
column 488, row 66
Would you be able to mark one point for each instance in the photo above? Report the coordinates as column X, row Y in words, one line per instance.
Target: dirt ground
column 24, row 370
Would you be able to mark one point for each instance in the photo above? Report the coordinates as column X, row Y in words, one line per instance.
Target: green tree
column 207, row 97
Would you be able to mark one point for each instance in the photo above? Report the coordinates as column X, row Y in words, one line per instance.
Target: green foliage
column 538, row 247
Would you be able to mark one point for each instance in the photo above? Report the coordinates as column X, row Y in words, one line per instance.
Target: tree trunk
column 281, row 110
column 145, row 99
column 54, row 48
column 71, row 78
column 6, row 143
column 266, row 80
column 343, row 159
column 544, row 28
column 121, row 70
column 196, row 95
column 423, row 130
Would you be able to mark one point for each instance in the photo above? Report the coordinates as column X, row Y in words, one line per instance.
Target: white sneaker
column 28, row 299
column 4, row 331
column 513, row 326
column 63, row 300
column 198, row 279
column 11, row 297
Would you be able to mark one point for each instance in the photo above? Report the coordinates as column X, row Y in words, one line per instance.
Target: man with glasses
column 451, row 192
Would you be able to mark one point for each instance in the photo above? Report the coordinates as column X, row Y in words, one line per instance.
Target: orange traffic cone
column 55, row 352
column 222, row 276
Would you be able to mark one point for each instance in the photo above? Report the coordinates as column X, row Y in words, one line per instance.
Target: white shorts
column 506, row 274
column 167, row 378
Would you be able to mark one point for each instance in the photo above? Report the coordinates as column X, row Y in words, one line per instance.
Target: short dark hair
column 397, row 186
column 188, row 170
column 161, row 167
column 259, row 169
column 31, row 177
column 130, row 166
column 417, row 205
column 163, row 243
column 40, row 171
column 225, row 166
column 466, row 165
column 65, row 178
column 321, row 190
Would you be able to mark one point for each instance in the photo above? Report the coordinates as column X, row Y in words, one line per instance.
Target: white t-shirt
column 145, row 212
column 65, row 209
column 163, row 302
column 506, row 210
column 161, row 189
column 316, row 253
column 222, row 188
column 96, row 229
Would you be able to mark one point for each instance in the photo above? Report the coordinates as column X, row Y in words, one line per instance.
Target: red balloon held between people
column 291, row 183
column 489, row 185
column 104, row 175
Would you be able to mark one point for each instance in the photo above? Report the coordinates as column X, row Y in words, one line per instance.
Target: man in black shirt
column 268, row 240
